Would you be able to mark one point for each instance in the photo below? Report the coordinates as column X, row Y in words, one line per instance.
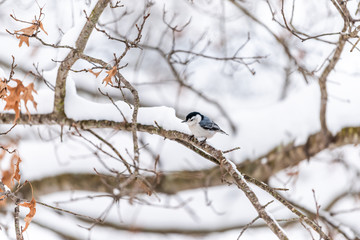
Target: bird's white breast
column 199, row 132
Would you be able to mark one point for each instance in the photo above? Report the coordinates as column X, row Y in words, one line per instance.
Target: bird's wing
column 210, row 125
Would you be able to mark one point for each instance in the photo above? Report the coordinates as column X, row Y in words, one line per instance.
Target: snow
column 69, row 39
column 79, row 108
column 164, row 116
column 75, row 109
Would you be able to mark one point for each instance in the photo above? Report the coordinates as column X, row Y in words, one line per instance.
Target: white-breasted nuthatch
column 202, row 126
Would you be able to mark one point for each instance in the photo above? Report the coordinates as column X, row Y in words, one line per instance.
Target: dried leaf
column 13, row 172
column 27, row 96
column 16, row 176
column 42, row 27
column 29, row 30
column 23, row 39
column 13, row 100
column 3, row 89
column 111, row 73
column 32, row 207
column 25, row 33
column 20, row 92
column 95, row 73
column 7, row 175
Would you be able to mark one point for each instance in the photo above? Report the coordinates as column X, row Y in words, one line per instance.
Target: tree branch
column 73, row 56
column 242, row 184
column 322, row 83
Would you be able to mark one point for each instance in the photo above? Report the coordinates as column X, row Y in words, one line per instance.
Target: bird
column 202, row 126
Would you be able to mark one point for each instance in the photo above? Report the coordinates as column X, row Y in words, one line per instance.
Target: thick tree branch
column 73, row 56
column 242, row 184
column 322, row 83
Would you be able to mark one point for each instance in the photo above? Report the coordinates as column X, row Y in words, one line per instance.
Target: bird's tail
column 221, row 131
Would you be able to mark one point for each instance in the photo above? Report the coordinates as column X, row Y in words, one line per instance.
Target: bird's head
column 193, row 118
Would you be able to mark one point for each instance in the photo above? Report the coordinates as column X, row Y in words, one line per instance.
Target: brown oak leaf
column 42, row 27
column 27, row 96
column 13, row 173
column 25, row 33
column 95, row 73
column 18, row 93
column 111, row 73
column 9, row 174
column 16, row 176
column 32, row 207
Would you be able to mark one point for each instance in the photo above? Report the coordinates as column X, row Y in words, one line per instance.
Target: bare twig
column 247, row 226
column 231, row 150
column 112, row 148
column 12, row 127
column 16, row 219
column 97, row 220
column 317, row 206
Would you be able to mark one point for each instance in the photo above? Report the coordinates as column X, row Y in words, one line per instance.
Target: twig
column 7, row 150
column 12, row 127
column 231, row 150
column 39, row 76
column 317, row 206
column 16, row 219
column 12, row 68
column 247, row 226
column 97, row 220
column 112, row 148
column 112, row 101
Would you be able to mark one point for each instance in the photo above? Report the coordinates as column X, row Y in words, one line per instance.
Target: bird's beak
column 183, row 121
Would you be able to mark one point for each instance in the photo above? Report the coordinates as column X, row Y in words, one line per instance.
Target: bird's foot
column 192, row 138
column 202, row 143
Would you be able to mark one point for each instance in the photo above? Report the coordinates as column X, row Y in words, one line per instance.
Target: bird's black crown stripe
column 193, row 114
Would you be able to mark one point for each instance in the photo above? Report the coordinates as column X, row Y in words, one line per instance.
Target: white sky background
column 252, row 101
